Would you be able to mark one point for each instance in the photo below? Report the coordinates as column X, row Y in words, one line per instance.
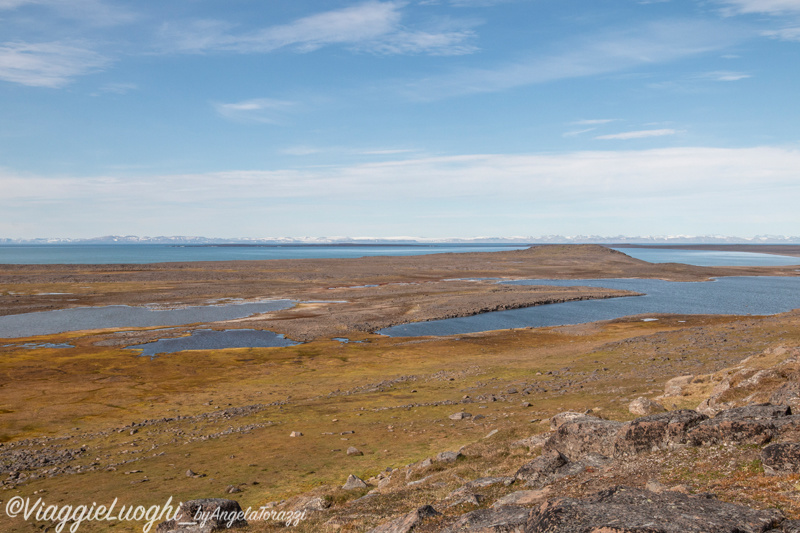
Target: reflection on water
column 729, row 296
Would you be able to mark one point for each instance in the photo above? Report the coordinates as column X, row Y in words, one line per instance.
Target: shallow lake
column 727, row 296
column 123, row 316
column 207, row 339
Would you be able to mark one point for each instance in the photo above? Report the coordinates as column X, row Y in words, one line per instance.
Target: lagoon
column 744, row 295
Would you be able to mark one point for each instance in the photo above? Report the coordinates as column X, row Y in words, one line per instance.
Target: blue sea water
column 709, row 257
column 104, row 254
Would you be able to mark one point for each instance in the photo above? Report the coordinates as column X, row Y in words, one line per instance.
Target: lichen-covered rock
column 406, row 523
column 787, row 394
column 206, row 515
column 556, row 421
column 543, row 466
column 505, row 519
column 584, row 435
column 718, row 431
column 761, row 411
column 656, row 431
column 629, row 510
column 781, row 458
column 523, row 497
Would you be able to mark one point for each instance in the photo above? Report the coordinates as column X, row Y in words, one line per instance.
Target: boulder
column 644, row 406
column 781, row 458
column 542, row 467
column 719, row 431
column 761, row 411
column 354, row 482
column 655, row 432
column 629, row 510
column 406, row 523
column 205, row 516
column 556, row 421
column 787, row 394
column 461, row 415
column 352, row 450
column 584, row 435
column 751, row 424
column 448, row 457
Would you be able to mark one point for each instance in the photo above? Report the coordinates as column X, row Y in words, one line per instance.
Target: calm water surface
column 207, row 339
column 727, row 296
column 123, row 316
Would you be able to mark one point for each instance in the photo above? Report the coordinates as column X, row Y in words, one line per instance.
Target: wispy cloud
column 593, row 121
column 575, row 133
column 773, row 7
column 601, row 54
column 640, row 134
column 785, row 34
column 89, row 12
column 265, row 110
column 51, row 64
column 372, row 26
column 724, row 75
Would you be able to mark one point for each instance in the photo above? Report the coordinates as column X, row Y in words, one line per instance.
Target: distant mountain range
column 546, row 239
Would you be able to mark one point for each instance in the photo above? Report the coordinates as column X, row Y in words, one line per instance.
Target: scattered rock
column 352, row 450
column 218, row 513
column 781, row 458
column 233, row 489
column 534, row 441
column 644, row 406
column 295, row 434
column 461, row 415
column 354, row 482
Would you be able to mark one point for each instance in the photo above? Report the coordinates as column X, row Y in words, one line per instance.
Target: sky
column 384, row 118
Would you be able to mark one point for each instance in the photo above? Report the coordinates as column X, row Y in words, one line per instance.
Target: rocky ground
column 684, row 423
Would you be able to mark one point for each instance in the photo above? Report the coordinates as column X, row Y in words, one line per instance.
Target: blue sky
column 429, row 118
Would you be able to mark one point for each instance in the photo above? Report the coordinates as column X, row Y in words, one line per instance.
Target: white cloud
column 593, row 121
column 773, row 7
column 726, row 76
column 596, row 55
column 575, row 133
column 90, row 12
column 576, row 175
column 51, row 64
column 641, row 134
column 266, row 110
column 785, row 34
column 371, row 26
